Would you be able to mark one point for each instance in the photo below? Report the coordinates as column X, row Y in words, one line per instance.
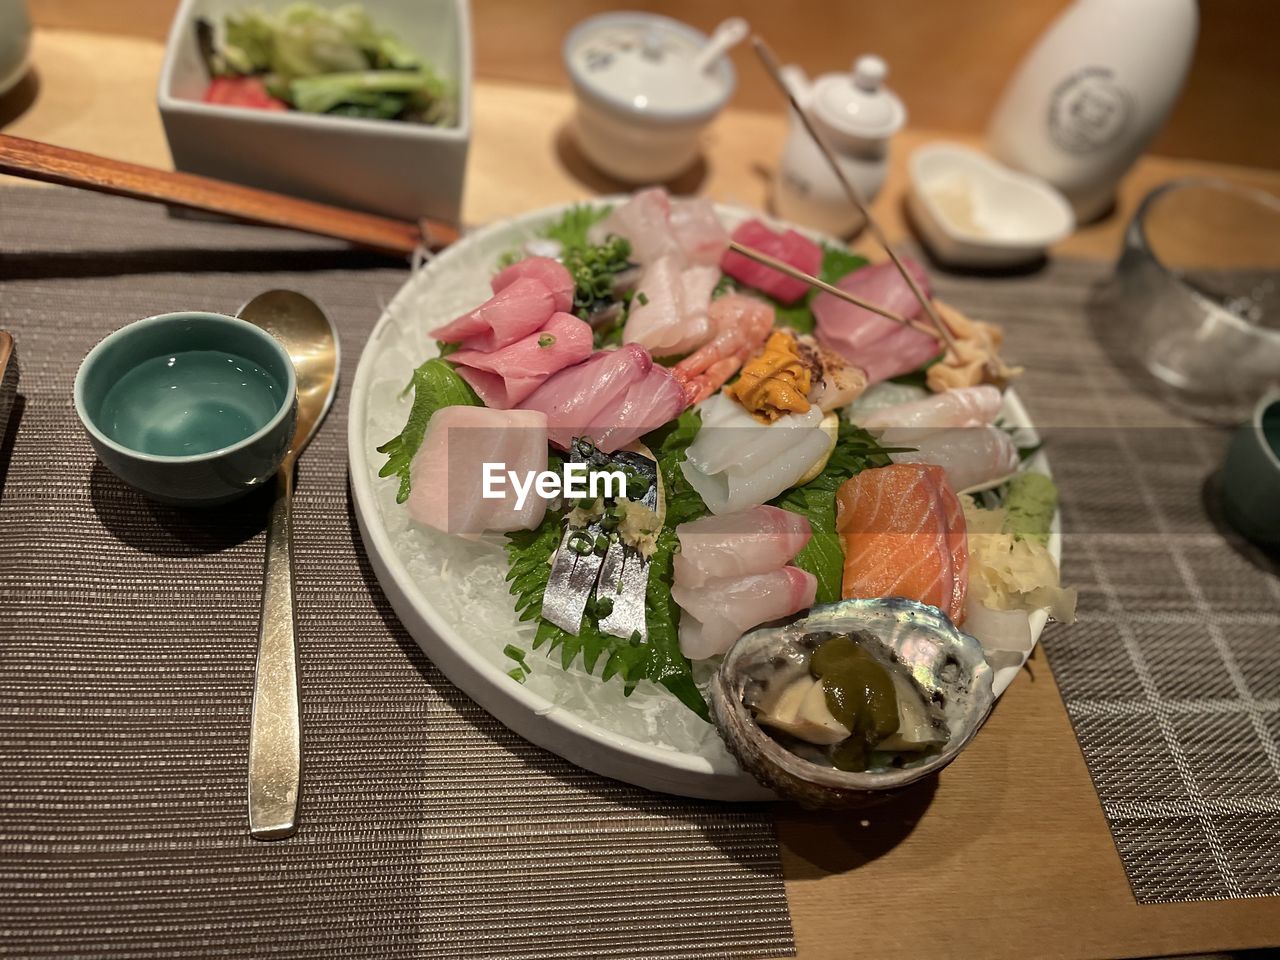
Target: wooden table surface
column 1010, row 856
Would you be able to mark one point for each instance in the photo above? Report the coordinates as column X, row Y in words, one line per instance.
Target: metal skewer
column 771, row 65
column 783, row 267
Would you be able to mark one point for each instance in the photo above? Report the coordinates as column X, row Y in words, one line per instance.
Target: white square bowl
column 390, row 167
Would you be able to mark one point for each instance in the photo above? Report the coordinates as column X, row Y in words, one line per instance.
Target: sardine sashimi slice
column 515, row 311
column 648, row 403
column 756, row 540
column 668, row 313
column 720, row 611
column 698, row 232
column 573, row 398
column 448, row 475
column 788, row 246
column 903, row 535
column 551, row 272
column 970, row 456
column 506, row 376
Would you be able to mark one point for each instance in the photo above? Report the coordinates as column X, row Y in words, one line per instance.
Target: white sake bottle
column 1092, row 93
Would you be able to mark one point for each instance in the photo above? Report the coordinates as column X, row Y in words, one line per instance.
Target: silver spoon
column 275, row 735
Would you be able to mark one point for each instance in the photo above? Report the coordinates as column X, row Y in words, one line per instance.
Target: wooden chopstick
column 783, row 267
column 74, row 168
column 775, row 71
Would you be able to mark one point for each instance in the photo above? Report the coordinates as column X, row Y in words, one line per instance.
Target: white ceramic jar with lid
column 857, row 116
column 643, row 93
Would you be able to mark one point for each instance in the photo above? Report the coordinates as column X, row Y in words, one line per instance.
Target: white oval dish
column 1015, row 217
column 462, row 616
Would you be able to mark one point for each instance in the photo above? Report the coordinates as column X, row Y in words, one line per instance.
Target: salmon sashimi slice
column 903, row 535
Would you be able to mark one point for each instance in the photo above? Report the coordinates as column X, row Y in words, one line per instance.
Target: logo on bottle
column 1088, row 110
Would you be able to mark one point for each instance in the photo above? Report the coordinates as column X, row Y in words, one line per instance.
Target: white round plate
column 451, row 595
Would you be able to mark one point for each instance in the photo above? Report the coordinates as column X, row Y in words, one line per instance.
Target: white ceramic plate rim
column 534, row 717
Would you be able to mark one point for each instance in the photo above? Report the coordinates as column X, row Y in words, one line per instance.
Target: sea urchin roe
column 774, row 382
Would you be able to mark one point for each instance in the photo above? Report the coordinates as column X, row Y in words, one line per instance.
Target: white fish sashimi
column 757, row 540
column 971, row 457
column 720, row 611
column 963, row 407
column 668, row 315
column 701, row 236
column 448, row 477
column 878, row 396
column 643, row 221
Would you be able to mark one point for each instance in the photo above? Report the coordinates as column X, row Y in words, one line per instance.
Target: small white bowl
column 974, row 212
column 635, row 141
column 390, row 167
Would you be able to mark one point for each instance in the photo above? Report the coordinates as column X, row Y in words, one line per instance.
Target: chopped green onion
column 642, row 299
column 546, row 340
column 514, row 652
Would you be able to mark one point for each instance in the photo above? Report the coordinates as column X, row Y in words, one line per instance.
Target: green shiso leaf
column 855, row 451
column 435, row 385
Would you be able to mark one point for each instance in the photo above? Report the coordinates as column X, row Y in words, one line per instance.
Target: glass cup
column 1199, row 284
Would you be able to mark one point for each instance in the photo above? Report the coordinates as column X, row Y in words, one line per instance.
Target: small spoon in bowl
column 275, row 734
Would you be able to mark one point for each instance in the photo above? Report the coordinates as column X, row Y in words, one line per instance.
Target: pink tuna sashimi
column 671, row 316
column 756, row 540
column 506, row 376
column 448, row 475
column 551, row 272
column 698, row 231
column 573, row 398
column 720, row 611
column 880, row 346
column 518, row 309
column 643, row 221
column 648, row 404
column 789, row 247
column 961, row 407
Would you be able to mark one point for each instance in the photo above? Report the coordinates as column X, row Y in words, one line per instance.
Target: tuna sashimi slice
column 901, row 351
column 756, row 540
column 720, row 611
column 448, row 473
column 903, row 534
column 790, row 247
column 506, row 376
column 573, row 398
column 551, row 272
column 515, row 311
column 648, row 403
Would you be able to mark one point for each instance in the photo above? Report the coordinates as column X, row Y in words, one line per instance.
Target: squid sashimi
column 668, row 313
column 882, row 347
column 574, row 399
column 719, row 611
column 736, row 461
column 752, row 541
column 700, row 235
column 551, row 272
column 903, row 534
column 448, row 472
column 657, row 226
column 648, row 403
column 515, row 311
column 971, row 457
column 504, row 377
column 790, row 247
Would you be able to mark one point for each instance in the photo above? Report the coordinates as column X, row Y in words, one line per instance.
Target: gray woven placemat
column 127, row 638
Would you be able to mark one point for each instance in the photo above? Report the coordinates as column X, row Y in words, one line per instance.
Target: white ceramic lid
column 646, row 63
column 858, row 103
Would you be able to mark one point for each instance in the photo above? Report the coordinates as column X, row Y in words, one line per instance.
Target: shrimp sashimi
column 736, row 461
column 903, row 534
column 971, row 457
column 755, row 540
column 668, row 313
column 504, row 377
column 448, row 471
column 719, row 611
column 514, row 312
column 789, row 247
column 575, row 399
column 741, row 324
column 551, row 272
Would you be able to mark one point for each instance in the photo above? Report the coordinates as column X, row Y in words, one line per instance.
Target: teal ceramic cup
column 1251, row 478
column 189, row 408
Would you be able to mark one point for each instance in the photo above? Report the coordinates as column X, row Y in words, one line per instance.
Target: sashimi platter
column 691, row 522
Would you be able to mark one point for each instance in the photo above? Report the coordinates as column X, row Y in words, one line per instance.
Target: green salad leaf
column 435, row 385
column 855, row 451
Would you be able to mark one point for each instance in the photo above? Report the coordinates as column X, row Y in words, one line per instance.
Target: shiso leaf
column 435, row 385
